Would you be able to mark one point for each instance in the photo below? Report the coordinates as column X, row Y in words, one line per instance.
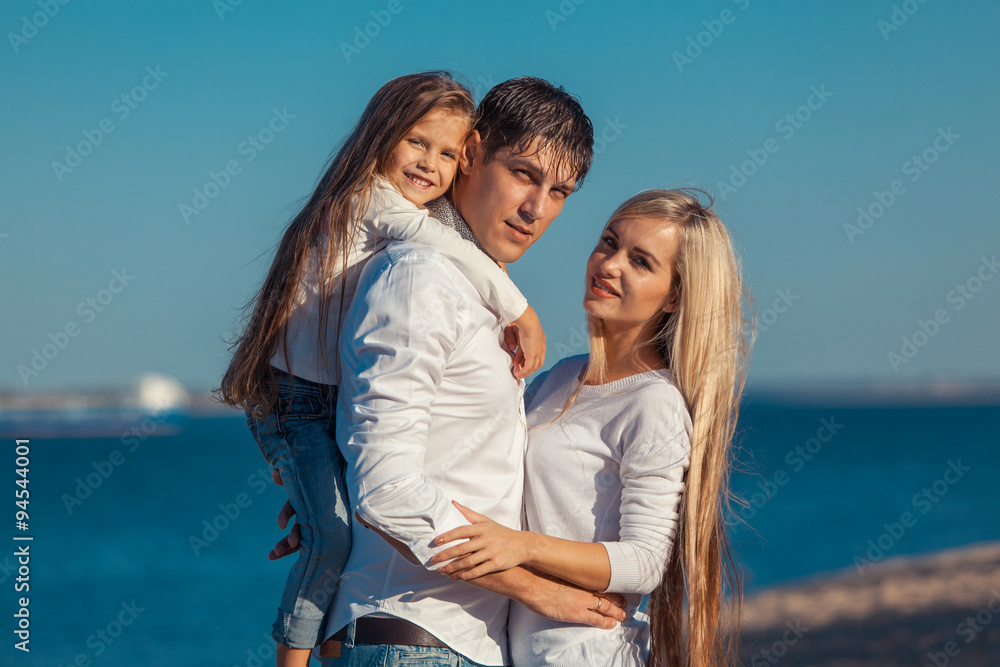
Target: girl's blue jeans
column 298, row 438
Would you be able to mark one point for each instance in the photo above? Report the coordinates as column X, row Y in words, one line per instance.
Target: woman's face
column 630, row 274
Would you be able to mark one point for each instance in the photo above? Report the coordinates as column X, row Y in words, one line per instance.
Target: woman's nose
column 611, row 264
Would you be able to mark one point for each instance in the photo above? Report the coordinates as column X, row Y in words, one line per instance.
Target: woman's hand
column 490, row 547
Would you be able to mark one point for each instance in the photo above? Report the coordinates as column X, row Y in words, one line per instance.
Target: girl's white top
column 610, row 470
column 389, row 216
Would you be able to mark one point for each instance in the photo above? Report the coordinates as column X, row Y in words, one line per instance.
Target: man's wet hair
column 515, row 112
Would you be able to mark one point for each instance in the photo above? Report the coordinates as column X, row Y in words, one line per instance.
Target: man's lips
column 519, row 233
column 603, row 288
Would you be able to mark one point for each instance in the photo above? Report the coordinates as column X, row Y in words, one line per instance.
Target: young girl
column 640, row 434
column 402, row 154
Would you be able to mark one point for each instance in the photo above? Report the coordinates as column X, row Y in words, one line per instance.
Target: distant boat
column 155, row 405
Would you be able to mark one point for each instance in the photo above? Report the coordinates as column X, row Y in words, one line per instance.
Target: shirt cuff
column 425, row 549
column 627, row 573
column 515, row 310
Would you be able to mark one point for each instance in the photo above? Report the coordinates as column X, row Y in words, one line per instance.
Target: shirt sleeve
column 652, row 477
column 405, row 321
column 495, row 287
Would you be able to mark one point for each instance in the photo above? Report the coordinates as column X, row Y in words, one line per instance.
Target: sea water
column 157, row 555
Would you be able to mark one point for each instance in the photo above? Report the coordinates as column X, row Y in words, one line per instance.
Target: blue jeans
column 393, row 655
column 298, row 438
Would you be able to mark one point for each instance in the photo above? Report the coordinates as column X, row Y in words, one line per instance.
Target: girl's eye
column 450, row 156
column 416, row 142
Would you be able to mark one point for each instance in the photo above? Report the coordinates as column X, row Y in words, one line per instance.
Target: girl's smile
column 423, row 164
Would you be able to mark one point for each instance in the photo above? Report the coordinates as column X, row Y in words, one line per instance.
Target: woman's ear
column 472, row 148
column 672, row 301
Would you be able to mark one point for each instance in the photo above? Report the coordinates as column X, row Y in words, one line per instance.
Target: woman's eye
column 608, row 240
column 641, row 261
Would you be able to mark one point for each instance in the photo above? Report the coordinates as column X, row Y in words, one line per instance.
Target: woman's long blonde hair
column 326, row 224
column 705, row 343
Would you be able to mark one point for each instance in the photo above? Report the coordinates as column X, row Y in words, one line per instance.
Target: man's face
column 509, row 201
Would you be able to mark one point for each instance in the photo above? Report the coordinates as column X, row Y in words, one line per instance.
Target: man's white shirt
column 428, row 413
column 387, row 215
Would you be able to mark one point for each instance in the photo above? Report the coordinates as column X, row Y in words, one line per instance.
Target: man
column 429, row 412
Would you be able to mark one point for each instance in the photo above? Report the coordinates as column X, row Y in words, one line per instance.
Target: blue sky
column 682, row 94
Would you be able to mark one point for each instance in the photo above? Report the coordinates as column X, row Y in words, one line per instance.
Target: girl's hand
column 526, row 336
column 490, row 547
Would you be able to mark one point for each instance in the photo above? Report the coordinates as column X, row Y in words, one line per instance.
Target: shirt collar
column 443, row 210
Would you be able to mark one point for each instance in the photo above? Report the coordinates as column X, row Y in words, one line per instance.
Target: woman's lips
column 602, row 289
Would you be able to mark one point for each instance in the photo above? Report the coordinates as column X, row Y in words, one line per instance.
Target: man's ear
column 473, row 147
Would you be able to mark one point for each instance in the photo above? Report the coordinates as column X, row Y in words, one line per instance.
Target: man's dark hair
column 517, row 111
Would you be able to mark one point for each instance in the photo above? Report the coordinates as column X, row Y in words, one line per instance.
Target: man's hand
column 526, row 336
column 290, row 543
column 561, row 601
column 554, row 598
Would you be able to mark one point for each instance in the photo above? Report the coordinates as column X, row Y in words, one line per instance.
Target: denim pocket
column 269, row 437
column 430, row 657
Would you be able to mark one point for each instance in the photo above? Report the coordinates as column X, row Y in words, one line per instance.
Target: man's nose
column 535, row 205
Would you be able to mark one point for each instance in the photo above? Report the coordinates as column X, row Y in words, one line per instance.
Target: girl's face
column 423, row 163
column 630, row 274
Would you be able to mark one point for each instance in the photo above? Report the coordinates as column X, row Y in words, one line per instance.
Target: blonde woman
column 628, row 456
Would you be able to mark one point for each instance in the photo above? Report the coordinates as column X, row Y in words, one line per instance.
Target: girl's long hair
column 705, row 343
column 326, row 224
